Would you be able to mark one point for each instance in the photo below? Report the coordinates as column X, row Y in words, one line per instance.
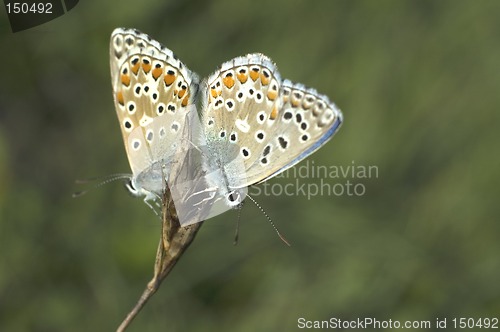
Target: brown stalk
column 173, row 243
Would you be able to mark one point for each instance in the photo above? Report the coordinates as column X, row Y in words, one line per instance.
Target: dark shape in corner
column 28, row 14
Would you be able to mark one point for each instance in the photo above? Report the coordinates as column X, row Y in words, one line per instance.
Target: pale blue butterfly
column 272, row 124
column 153, row 93
column 254, row 125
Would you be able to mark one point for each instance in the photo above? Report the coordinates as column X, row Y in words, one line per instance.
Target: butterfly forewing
column 152, row 91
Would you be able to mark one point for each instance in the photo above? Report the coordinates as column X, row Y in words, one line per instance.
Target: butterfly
column 153, row 93
column 252, row 124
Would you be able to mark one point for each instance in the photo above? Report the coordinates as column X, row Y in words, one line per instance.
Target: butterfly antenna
column 237, row 231
column 103, row 180
column 270, row 221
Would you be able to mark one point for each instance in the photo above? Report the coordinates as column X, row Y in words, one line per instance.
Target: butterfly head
column 132, row 188
column 234, row 198
column 138, row 191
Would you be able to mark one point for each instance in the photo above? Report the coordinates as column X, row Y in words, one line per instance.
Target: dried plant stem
column 174, row 241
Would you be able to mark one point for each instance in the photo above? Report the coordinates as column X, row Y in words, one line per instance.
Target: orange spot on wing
column 169, row 79
column 181, row 93
column 157, row 73
column 119, row 98
column 265, row 80
column 135, row 68
column 274, row 113
column 146, row 67
column 242, row 77
column 228, row 82
column 125, row 79
column 306, row 105
column 295, row 102
column 271, row 94
column 185, row 100
column 254, row 75
column 214, row 93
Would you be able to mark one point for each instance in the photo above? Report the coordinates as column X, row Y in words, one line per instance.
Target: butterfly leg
column 147, row 200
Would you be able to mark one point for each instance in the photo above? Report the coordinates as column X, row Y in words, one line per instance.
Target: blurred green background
column 418, row 83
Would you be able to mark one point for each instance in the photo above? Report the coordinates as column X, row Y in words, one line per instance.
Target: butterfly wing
column 152, row 92
column 272, row 123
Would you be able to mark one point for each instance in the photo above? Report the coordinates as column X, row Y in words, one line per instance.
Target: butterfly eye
column 234, row 198
column 131, row 188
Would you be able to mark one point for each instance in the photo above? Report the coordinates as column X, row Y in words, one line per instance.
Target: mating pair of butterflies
column 250, row 125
